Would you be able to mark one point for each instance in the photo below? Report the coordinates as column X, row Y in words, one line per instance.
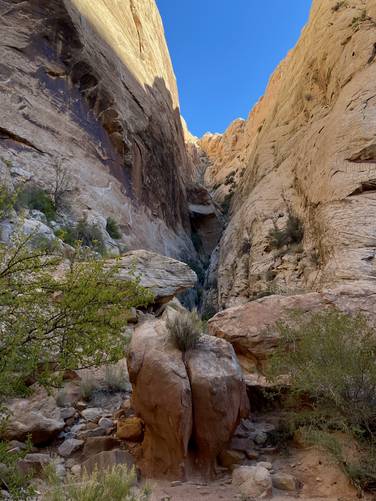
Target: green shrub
column 292, row 233
column 15, row 482
column 115, row 484
column 33, row 197
column 185, row 330
column 7, row 201
column 50, row 323
column 330, row 360
column 113, row 229
column 88, row 235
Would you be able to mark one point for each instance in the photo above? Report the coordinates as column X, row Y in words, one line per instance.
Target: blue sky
column 224, row 52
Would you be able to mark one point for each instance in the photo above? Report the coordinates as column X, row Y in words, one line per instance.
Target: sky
column 224, row 52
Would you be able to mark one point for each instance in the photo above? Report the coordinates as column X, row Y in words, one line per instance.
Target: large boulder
column 190, row 404
column 164, row 276
column 251, row 327
column 218, row 396
column 37, row 416
column 162, row 397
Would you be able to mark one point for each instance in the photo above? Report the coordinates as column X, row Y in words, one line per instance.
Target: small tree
column 61, row 186
column 53, row 320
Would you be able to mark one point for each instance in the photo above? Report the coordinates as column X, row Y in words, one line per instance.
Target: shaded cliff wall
column 89, row 83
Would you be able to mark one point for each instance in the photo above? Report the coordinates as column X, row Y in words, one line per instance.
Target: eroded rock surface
column 89, row 85
column 190, row 404
column 308, row 147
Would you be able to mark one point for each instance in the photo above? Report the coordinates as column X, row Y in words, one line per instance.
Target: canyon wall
column 89, row 85
column 305, row 156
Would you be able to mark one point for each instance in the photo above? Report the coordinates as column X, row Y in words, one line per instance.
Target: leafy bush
column 185, row 330
column 113, row 229
column 15, row 482
column 293, row 233
column 50, row 323
column 7, row 201
column 88, row 235
column 33, row 197
column 330, row 359
column 115, row 484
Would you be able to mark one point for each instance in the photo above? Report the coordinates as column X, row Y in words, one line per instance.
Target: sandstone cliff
column 307, row 151
column 89, row 84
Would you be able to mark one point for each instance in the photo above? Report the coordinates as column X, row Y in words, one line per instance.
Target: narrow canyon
column 275, row 216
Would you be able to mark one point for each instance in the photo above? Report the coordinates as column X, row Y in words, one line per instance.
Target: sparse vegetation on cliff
column 84, row 233
column 113, row 229
column 33, row 197
column 292, row 233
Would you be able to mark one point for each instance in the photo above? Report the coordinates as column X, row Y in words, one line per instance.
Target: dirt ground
column 318, row 477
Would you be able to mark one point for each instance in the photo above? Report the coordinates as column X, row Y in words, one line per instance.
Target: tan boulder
column 253, row 481
column 162, row 397
column 164, row 276
column 130, row 429
column 95, row 445
column 37, row 416
column 218, row 395
column 190, row 405
column 250, row 328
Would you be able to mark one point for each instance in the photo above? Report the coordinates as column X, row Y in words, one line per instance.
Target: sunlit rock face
column 308, row 148
column 89, row 84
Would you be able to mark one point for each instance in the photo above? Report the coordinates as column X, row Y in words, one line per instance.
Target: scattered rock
column 94, row 445
column 130, row 429
column 33, row 464
column 107, row 459
column 265, row 464
column 106, row 423
column 76, row 469
column 92, row 414
column 70, row 446
column 67, row 413
column 284, row 481
column 37, row 416
column 253, row 481
column 229, row 458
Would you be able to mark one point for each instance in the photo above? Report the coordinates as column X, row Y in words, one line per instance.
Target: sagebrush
column 185, row 329
column 330, row 360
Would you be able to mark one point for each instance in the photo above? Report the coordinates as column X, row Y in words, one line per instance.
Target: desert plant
column 118, row 483
column 329, row 358
column 31, row 196
column 113, row 229
column 292, row 233
column 185, row 329
column 339, row 5
column 61, row 186
column 51, row 322
column 12, row 479
column 116, row 378
column 88, row 385
column 7, row 201
column 83, row 233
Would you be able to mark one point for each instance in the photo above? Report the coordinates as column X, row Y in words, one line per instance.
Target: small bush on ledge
column 292, row 233
column 185, row 330
column 113, row 229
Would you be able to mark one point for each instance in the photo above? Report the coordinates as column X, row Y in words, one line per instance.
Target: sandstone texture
column 307, row 148
column 89, row 85
column 191, row 404
column 164, row 276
